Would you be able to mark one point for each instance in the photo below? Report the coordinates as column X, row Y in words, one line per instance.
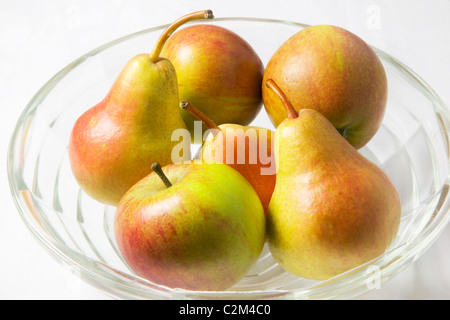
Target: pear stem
column 205, row 14
column 200, row 115
column 156, row 167
column 292, row 113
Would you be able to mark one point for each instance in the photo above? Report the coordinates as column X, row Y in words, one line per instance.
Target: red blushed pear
column 247, row 149
column 333, row 71
column 113, row 144
column 332, row 209
column 218, row 71
column 191, row 226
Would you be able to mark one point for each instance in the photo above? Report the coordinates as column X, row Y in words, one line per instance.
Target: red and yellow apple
column 218, row 71
column 247, row 149
column 333, row 71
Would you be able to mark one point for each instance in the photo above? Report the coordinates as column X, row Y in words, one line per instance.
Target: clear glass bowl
column 411, row 146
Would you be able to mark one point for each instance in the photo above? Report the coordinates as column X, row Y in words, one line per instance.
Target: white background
column 38, row 38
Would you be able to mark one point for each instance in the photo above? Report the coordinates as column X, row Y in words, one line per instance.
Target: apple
column 247, row 149
column 218, row 71
column 333, row 71
column 192, row 226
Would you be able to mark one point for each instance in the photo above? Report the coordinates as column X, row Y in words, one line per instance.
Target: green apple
column 333, row 71
column 193, row 226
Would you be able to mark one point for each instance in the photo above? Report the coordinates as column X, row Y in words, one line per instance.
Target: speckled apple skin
column 251, row 154
column 333, row 71
column 203, row 233
column 218, row 72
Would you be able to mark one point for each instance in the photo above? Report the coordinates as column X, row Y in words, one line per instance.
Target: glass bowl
column 411, row 146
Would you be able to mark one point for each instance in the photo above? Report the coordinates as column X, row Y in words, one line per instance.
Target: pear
column 332, row 209
column 333, row 71
column 113, row 144
column 247, row 149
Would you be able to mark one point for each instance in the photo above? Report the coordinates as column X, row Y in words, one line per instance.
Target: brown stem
column 205, row 14
column 158, row 170
column 291, row 112
column 200, row 115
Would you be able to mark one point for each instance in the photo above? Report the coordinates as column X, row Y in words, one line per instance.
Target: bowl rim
column 117, row 284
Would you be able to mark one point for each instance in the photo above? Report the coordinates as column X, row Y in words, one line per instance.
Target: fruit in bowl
column 202, row 226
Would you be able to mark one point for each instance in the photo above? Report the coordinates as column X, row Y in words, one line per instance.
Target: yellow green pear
column 113, row 144
column 332, row 209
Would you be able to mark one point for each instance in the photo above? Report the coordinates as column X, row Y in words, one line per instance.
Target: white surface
column 38, row 38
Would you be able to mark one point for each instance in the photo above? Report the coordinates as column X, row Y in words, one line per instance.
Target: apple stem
column 205, row 14
column 156, row 167
column 210, row 124
column 292, row 113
